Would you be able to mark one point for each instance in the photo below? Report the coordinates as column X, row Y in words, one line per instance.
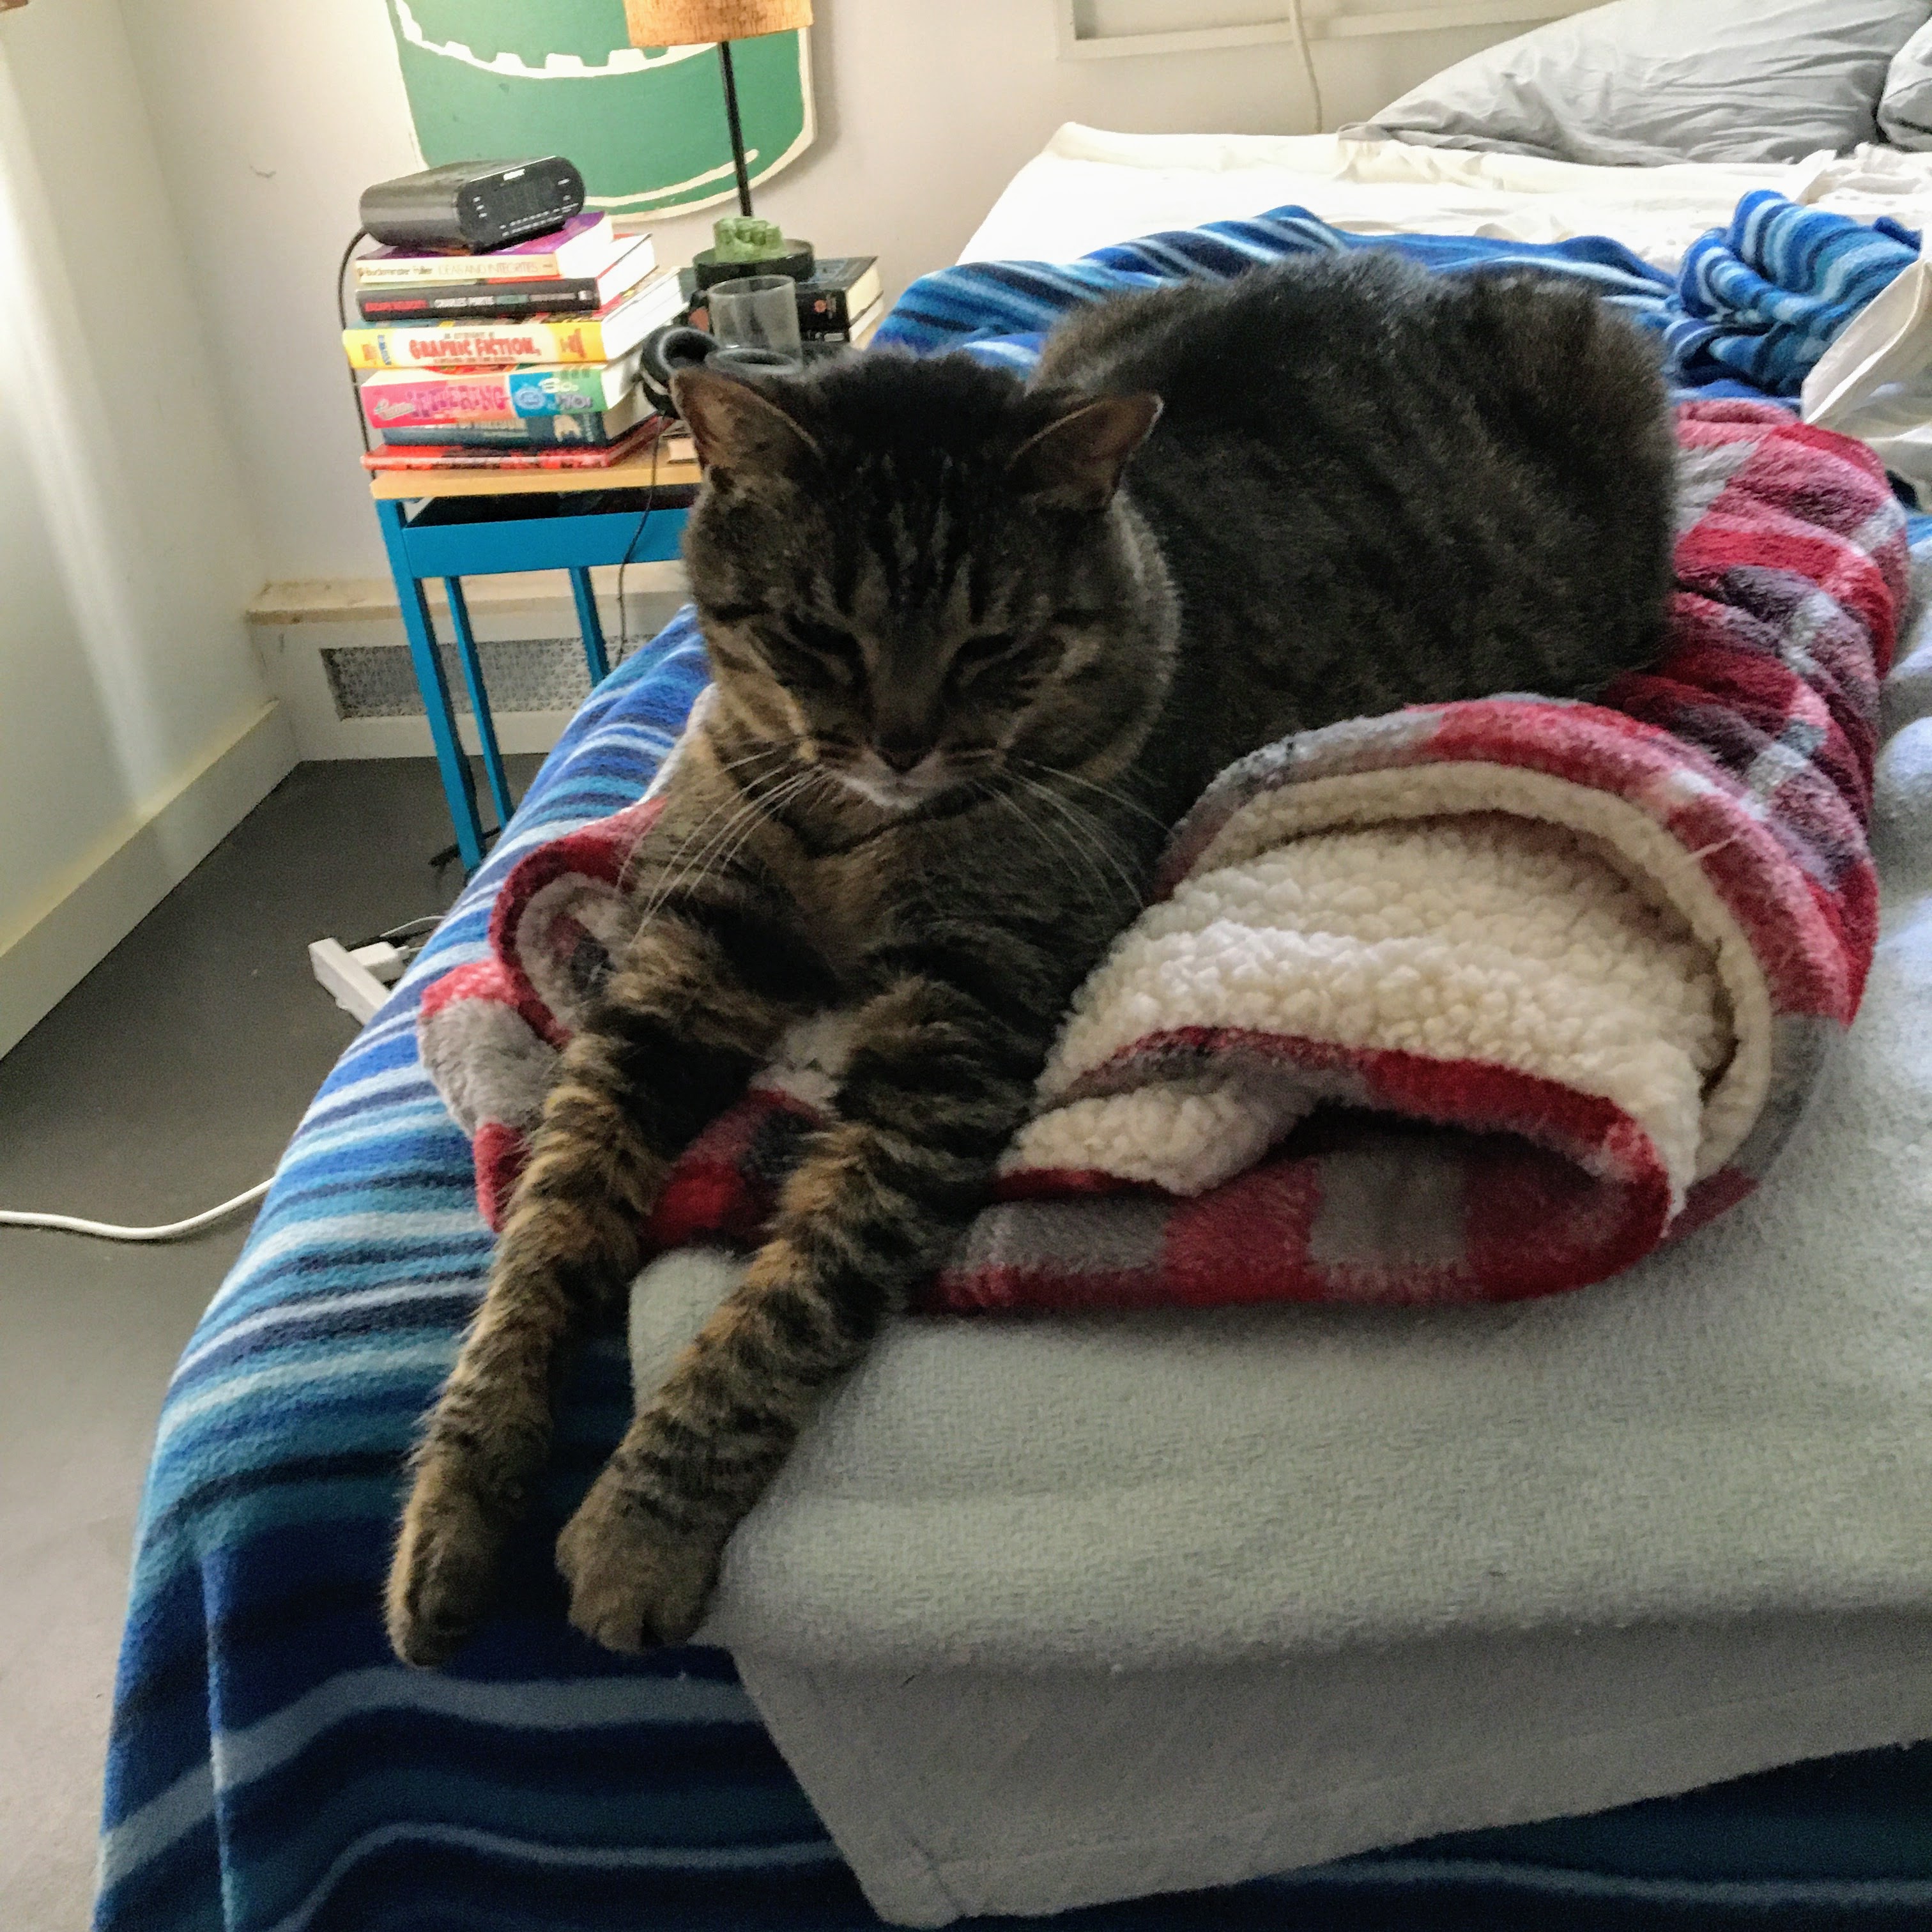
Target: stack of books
column 842, row 301
column 523, row 357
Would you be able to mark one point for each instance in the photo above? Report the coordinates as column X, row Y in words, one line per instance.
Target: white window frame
column 1325, row 20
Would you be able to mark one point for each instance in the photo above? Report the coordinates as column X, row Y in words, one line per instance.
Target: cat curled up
column 976, row 644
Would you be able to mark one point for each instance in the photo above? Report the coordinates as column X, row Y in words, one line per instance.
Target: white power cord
column 359, row 979
column 70, row 1224
column 1300, row 27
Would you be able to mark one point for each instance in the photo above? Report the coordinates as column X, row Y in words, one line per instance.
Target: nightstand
column 457, row 523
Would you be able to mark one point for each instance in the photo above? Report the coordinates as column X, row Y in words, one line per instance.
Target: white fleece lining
column 1476, row 937
column 1627, row 837
column 1183, row 1136
column 1530, row 923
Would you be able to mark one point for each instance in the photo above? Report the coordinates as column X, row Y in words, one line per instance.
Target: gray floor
column 167, row 1081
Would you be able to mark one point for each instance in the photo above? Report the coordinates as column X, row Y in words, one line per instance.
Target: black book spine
column 825, row 304
column 822, row 311
column 509, row 300
column 569, row 432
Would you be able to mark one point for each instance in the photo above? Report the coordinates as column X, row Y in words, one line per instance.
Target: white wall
column 271, row 119
column 134, row 725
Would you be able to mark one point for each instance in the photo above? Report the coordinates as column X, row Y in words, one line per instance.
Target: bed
column 1088, row 186
column 272, row 1767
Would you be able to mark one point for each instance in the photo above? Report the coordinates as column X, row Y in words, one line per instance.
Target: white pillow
column 1905, row 112
column 1646, row 82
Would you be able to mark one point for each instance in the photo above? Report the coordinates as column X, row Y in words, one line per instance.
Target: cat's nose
column 902, row 754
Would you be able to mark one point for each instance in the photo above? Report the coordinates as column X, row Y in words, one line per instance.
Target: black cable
column 451, row 853
column 397, row 935
column 623, row 565
column 630, row 549
column 342, row 319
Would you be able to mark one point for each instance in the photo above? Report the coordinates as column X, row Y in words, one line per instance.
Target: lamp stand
column 737, row 129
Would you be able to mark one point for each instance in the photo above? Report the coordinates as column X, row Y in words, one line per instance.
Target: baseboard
column 298, row 627
column 337, row 600
column 84, row 915
column 319, row 734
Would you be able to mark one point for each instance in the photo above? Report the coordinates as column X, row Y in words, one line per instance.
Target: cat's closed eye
column 981, row 654
column 829, row 649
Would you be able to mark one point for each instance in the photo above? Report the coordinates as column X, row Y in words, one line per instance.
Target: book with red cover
column 393, row 302
column 445, row 456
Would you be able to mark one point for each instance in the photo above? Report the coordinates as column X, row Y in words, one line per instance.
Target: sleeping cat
column 976, row 644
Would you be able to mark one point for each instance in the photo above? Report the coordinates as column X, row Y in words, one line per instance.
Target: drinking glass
column 756, row 312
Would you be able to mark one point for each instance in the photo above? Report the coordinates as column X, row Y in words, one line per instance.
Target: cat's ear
column 1076, row 462
column 736, row 427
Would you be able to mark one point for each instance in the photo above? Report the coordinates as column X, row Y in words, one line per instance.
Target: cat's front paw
column 444, row 1571
column 634, row 1584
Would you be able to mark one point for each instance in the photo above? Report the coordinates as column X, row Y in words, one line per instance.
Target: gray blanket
column 1299, row 1582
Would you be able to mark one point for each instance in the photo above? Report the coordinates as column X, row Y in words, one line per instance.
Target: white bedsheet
column 1087, row 187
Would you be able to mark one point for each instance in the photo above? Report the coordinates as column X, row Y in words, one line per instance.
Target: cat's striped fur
column 964, row 679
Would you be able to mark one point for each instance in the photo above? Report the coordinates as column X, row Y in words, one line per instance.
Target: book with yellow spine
column 612, row 331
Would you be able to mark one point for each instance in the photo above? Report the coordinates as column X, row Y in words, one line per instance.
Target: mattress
column 1088, row 188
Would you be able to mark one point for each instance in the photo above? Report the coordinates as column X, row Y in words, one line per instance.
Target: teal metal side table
column 457, row 523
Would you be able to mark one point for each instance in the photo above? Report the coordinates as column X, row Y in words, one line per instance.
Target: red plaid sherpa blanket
column 1471, row 1002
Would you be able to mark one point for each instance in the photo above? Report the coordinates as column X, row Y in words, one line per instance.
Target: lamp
column 684, row 23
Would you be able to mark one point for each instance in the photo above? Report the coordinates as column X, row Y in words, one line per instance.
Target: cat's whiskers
column 737, row 794
column 750, row 758
column 669, row 866
column 1056, row 847
column 1072, row 835
column 1094, row 839
column 753, row 805
column 800, row 786
column 1119, row 798
column 717, row 856
column 732, row 804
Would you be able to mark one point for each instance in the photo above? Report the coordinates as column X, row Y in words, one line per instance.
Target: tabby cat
column 976, row 643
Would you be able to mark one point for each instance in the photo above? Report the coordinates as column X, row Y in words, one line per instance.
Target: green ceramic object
column 747, row 237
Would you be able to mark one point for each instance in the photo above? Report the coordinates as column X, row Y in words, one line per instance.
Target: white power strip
column 359, row 982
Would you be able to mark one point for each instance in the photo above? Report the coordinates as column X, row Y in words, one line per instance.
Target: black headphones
column 666, row 351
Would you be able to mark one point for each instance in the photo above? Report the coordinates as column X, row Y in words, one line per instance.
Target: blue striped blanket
column 271, row 1769
column 1752, row 308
